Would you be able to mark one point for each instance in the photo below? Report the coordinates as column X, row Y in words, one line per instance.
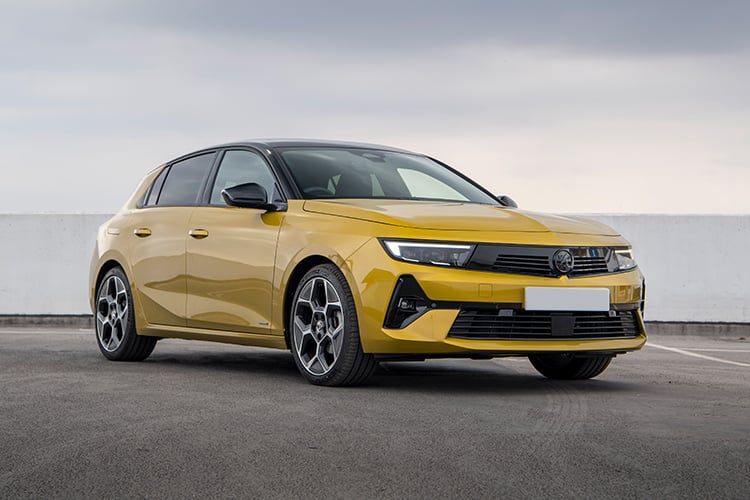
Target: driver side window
column 242, row 167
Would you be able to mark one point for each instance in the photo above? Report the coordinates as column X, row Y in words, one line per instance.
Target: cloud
column 580, row 94
column 388, row 26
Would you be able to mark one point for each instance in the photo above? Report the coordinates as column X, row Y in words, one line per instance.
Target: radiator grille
column 537, row 261
column 586, row 266
column 536, row 265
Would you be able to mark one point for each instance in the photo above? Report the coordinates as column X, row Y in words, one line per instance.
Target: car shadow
column 439, row 377
column 258, row 363
column 466, row 376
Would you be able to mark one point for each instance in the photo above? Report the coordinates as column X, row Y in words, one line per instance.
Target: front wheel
column 569, row 366
column 115, row 320
column 324, row 332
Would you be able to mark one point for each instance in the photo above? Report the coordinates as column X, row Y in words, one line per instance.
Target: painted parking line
column 699, row 349
column 696, row 355
column 32, row 331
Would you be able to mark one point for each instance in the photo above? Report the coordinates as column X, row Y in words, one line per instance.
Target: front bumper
column 450, row 291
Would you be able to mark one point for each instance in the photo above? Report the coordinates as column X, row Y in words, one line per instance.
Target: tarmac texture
column 202, row 420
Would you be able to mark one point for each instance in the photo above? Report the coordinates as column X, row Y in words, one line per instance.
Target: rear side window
column 185, row 180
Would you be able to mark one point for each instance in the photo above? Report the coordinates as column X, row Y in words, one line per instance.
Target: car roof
column 273, row 144
column 310, row 143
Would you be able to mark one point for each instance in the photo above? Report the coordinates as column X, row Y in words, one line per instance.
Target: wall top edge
column 631, row 214
column 575, row 214
column 55, row 213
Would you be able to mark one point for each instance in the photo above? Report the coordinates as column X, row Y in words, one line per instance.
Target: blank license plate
column 566, row 299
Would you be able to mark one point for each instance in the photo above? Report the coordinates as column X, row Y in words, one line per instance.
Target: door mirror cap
column 249, row 195
column 507, row 201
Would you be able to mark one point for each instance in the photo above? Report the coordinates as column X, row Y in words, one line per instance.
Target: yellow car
column 347, row 254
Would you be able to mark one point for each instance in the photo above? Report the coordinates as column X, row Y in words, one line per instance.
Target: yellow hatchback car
column 347, row 254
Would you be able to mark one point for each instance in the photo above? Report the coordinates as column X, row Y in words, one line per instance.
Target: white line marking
column 31, row 332
column 502, row 359
column 688, row 353
column 697, row 349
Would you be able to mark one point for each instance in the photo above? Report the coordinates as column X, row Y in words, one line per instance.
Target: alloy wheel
column 112, row 313
column 318, row 328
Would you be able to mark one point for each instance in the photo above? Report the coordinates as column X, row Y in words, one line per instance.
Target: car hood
column 455, row 216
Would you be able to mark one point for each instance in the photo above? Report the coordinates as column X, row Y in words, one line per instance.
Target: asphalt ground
column 207, row 420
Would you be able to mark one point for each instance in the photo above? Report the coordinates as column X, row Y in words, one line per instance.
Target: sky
column 566, row 106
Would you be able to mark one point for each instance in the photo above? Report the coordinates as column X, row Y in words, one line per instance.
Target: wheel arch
column 109, row 262
column 104, row 269
column 291, row 286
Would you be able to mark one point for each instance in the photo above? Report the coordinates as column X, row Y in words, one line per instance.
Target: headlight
column 624, row 259
column 437, row 254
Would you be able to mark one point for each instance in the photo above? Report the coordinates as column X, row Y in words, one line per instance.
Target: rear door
column 231, row 251
column 158, row 231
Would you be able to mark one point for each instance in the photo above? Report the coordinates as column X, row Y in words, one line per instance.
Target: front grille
column 537, row 260
column 518, row 324
column 536, row 265
column 588, row 265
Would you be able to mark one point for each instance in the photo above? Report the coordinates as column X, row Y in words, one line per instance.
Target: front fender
column 303, row 236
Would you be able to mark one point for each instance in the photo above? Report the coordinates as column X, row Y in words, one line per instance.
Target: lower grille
column 518, row 324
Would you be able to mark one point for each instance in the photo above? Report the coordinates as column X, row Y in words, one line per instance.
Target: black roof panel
column 312, row 143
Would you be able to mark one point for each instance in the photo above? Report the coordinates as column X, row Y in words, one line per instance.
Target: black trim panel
column 401, row 314
column 519, row 324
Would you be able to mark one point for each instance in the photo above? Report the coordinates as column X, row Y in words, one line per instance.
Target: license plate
column 537, row 298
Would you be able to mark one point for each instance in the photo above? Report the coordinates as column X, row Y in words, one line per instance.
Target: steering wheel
column 317, row 191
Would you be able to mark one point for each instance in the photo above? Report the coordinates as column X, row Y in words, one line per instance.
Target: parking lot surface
column 206, row 420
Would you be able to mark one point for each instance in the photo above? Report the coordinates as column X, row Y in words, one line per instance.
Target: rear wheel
column 569, row 366
column 115, row 320
column 324, row 332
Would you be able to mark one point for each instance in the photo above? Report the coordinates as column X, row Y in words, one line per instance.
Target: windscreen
column 366, row 173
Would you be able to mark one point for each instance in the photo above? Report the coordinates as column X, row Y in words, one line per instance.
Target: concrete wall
column 696, row 266
column 44, row 262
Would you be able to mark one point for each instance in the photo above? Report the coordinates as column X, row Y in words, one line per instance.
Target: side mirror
column 507, row 201
column 250, row 195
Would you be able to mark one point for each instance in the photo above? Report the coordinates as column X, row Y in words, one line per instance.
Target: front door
column 231, row 253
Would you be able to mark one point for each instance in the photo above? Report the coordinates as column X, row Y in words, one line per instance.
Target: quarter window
column 184, row 181
column 153, row 194
column 242, row 167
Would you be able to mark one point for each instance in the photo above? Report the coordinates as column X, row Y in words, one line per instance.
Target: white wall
column 697, row 267
column 44, row 262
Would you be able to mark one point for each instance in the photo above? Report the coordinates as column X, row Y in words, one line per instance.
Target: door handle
column 142, row 232
column 198, row 234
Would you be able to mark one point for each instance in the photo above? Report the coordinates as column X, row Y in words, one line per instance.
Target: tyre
column 324, row 332
column 115, row 320
column 568, row 366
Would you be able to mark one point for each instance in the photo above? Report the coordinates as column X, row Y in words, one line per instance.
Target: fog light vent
column 408, row 303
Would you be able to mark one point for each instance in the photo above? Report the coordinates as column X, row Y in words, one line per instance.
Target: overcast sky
column 568, row 106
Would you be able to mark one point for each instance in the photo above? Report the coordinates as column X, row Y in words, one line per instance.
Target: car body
column 423, row 262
